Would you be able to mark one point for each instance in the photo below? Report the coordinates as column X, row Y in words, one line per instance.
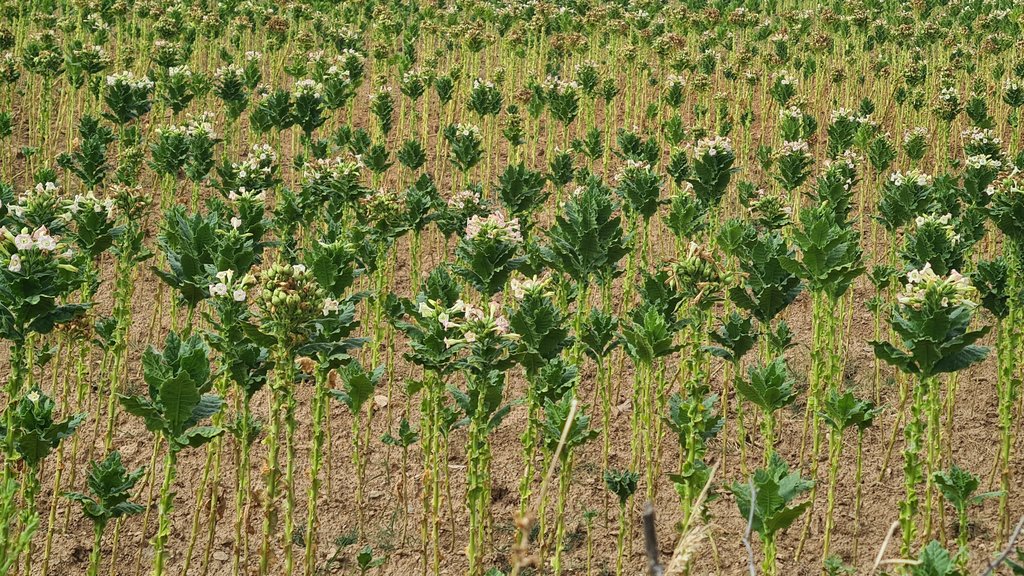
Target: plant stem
column 164, row 512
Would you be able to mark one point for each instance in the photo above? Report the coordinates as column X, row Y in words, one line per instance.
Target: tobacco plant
column 767, row 501
column 110, row 485
column 933, row 321
column 178, row 399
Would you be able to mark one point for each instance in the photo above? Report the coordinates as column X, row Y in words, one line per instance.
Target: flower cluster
column 324, row 170
column 914, row 176
column 468, row 131
column 982, row 141
column 945, row 222
column 631, row 167
column 713, row 146
column 411, row 76
column 791, row 113
column 194, row 127
column 200, row 125
column 494, row 227
column 476, row 323
column 925, row 287
column 532, row 285
column 95, row 54
column 848, row 160
column 477, row 82
column 784, row 77
column 465, row 199
column 847, row 115
column 228, row 285
column 94, row 21
column 675, row 80
column 127, row 78
column 229, row 74
column 949, row 98
column 982, row 161
column 180, row 71
column 309, row 87
column 43, row 194
column 25, row 244
column 90, row 203
column 915, row 134
column 256, row 173
column 349, row 59
column 449, row 318
column 337, row 73
column 796, row 147
column 1014, row 91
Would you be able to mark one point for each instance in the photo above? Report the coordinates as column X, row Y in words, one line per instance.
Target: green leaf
column 197, row 436
column 934, row 560
column 179, row 399
column 775, row 487
column 964, row 358
column 957, row 486
column 892, row 355
column 785, row 517
column 145, row 409
column 359, row 385
column 770, row 387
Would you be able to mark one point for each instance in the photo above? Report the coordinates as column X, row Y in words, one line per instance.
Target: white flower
column 32, row 397
column 474, row 314
column 238, row 295
column 299, row 268
column 426, row 310
column 445, row 319
column 219, row 289
column 330, row 306
column 502, row 325
column 23, row 242
column 15, row 264
column 236, row 222
column 470, row 336
column 46, row 243
column 225, row 276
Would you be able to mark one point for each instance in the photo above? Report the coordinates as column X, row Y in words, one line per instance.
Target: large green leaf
column 179, row 398
column 197, row 436
column 143, row 408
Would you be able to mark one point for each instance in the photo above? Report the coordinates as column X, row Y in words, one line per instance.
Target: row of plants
column 623, row 239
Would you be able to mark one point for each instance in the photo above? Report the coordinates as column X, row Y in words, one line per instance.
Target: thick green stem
column 912, row 468
column 97, row 552
column 163, row 529
column 273, row 475
column 319, row 409
column 835, row 450
column 242, row 488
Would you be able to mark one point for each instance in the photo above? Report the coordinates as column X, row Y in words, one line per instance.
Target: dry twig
column 693, row 533
column 1006, row 551
column 750, row 529
column 885, row 544
column 521, row 557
